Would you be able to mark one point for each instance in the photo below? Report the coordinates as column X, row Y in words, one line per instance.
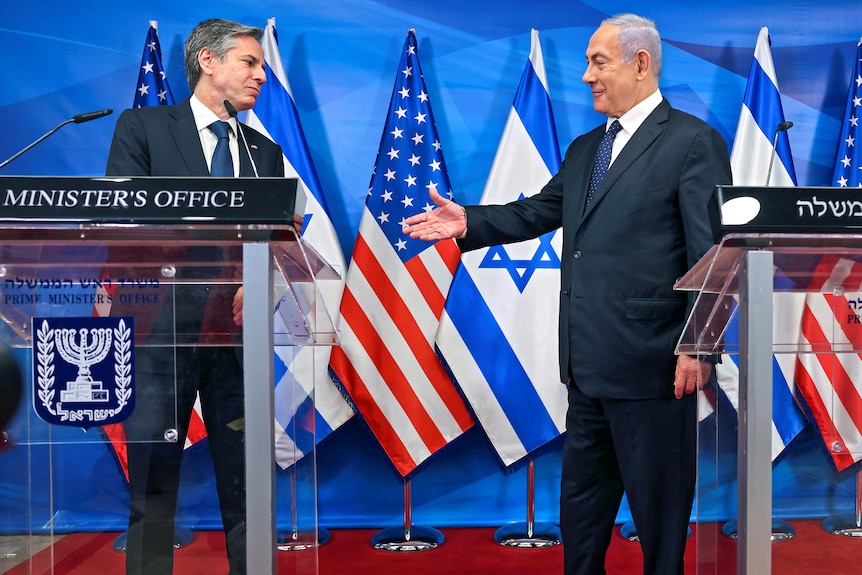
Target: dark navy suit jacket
column 163, row 141
column 647, row 224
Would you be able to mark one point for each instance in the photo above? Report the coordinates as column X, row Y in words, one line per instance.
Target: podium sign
column 147, row 199
column 107, row 288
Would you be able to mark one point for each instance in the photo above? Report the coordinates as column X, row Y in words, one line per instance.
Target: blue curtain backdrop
column 58, row 60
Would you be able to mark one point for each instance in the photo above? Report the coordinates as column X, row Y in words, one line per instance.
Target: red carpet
column 465, row 551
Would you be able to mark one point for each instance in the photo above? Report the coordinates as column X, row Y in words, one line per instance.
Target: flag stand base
column 629, row 531
column 848, row 524
column 300, row 541
column 781, row 530
column 529, row 534
column 182, row 537
column 526, row 536
column 408, row 537
column 415, row 538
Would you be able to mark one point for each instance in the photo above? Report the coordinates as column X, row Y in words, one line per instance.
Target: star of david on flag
column 396, row 288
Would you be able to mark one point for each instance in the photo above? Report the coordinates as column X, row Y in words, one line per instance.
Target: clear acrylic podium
column 150, row 276
column 766, row 282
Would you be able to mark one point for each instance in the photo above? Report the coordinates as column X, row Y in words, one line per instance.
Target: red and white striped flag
column 396, row 288
column 830, row 382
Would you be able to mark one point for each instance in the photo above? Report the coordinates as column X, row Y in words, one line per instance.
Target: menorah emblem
column 91, row 347
column 101, row 350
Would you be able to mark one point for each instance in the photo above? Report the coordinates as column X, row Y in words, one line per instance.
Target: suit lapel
column 245, row 168
column 645, row 135
column 185, row 134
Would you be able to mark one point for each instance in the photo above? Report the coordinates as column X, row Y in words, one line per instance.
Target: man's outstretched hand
column 448, row 221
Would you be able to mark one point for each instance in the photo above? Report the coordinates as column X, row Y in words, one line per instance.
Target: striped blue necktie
column 603, row 159
column 222, row 162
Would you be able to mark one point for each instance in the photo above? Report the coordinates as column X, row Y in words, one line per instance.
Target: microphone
column 781, row 127
column 232, row 112
column 86, row 117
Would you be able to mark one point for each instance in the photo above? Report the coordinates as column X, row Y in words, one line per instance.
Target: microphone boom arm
column 80, row 118
column 782, row 127
column 241, row 134
column 60, row 125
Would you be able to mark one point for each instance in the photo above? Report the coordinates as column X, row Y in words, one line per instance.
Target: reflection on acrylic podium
column 62, row 276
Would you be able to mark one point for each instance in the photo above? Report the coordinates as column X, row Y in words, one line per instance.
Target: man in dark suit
column 631, row 422
column 223, row 61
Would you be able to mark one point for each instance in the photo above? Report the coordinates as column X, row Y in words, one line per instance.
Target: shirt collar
column 633, row 119
column 204, row 116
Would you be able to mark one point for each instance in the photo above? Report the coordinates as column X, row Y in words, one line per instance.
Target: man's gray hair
column 217, row 35
column 637, row 33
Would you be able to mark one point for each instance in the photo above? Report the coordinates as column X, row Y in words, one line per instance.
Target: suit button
column 577, row 254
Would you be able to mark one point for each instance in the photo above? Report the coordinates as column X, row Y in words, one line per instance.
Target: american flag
column 153, row 88
column 848, row 161
column 832, row 383
column 396, row 288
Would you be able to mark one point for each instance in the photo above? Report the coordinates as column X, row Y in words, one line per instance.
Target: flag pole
column 529, row 534
column 407, row 537
column 848, row 524
column 296, row 540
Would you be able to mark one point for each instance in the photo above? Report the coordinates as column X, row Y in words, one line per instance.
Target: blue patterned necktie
column 603, row 159
column 222, row 162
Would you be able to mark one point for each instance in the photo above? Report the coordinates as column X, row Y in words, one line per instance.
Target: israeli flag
column 761, row 118
column 759, row 122
column 498, row 333
column 308, row 405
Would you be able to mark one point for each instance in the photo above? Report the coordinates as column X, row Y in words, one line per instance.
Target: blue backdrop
column 58, row 59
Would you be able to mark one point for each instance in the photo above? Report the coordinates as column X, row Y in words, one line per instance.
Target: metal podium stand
column 78, row 250
column 763, row 272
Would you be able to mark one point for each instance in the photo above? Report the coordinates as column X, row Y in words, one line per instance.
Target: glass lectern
column 97, row 275
column 795, row 299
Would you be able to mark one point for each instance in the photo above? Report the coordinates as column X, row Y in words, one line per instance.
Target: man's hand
column 237, row 307
column 691, row 374
column 448, row 221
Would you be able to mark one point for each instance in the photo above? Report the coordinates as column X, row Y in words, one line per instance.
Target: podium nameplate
column 740, row 209
column 147, row 200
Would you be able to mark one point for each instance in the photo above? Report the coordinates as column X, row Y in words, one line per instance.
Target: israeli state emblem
column 83, row 370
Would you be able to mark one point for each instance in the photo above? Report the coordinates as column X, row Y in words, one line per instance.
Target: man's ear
column 643, row 61
column 206, row 57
